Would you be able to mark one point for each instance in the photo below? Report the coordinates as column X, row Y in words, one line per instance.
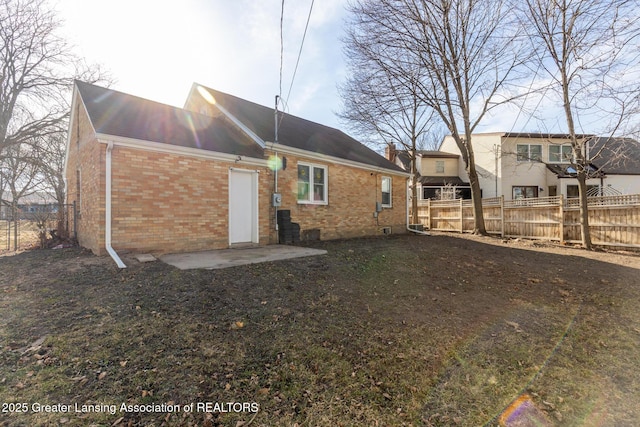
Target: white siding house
column 516, row 165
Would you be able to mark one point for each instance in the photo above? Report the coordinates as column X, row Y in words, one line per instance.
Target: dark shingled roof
column 616, row 156
column 609, row 156
column 439, row 181
column 299, row 133
column 118, row 114
column 438, row 154
column 568, row 171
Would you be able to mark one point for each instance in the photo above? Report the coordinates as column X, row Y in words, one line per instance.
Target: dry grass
column 27, row 235
column 402, row 331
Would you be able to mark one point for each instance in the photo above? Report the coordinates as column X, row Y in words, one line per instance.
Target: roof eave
column 324, row 157
column 179, row 150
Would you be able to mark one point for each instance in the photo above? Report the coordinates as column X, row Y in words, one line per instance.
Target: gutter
column 337, row 160
column 107, row 214
column 158, row 147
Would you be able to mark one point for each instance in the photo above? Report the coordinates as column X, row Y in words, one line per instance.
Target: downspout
column 275, row 169
column 423, row 233
column 107, row 214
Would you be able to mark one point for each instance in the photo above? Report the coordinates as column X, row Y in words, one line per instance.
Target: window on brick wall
column 312, row 184
column 386, row 191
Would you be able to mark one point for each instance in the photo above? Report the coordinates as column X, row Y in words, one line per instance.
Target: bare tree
column 465, row 55
column 37, row 70
column 37, row 73
column 381, row 101
column 32, row 57
column 587, row 48
column 50, row 163
column 19, row 172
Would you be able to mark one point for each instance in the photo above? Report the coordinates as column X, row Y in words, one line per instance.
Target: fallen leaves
column 515, row 325
column 237, row 325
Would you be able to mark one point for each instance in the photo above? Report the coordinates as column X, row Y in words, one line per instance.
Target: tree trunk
column 581, row 163
column 476, row 194
column 414, row 188
column 585, row 232
column 476, row 197
column 14, row 213
column 62, row 229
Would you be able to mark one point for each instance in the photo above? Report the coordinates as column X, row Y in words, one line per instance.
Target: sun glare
column 206, row 95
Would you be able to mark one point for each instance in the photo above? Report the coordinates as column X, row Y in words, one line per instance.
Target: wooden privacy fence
column 613, row 220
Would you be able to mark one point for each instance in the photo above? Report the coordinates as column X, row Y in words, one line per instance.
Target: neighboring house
column 150, row 177
column 438, row 174
column 28, row 206
column 524, row 165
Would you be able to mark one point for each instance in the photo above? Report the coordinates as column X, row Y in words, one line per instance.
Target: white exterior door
column 243, row 206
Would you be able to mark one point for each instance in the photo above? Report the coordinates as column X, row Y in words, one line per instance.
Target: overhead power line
column 281, row 47
column 304, row 35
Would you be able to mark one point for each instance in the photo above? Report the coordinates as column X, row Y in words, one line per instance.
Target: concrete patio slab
column 224, row 258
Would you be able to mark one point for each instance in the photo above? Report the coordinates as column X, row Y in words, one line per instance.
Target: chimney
column 390, row 152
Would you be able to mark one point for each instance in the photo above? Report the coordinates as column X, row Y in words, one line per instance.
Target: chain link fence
column 37, row 226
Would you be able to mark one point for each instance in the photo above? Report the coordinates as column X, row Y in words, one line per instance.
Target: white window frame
column 529, row 157
column 439, row 166
column 388, row 179
column 312, row 183
column 562, row 159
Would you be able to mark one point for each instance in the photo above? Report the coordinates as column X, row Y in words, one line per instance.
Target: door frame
column 255, row 225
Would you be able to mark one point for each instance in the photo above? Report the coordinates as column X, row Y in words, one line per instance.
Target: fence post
column 461, row 217
column 502, row 216
column 561, row 211
column 429, row 213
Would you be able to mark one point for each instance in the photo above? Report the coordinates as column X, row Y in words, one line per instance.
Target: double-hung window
column 312, row 184
column 560, row 153
column 386, row 191
column 529, row 152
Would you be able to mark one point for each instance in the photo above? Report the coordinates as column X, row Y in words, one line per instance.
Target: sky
column 157, row 49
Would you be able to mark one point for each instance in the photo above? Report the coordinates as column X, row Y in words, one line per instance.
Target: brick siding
column 352, row 197
column 171, row 203
column 86, row 156
column 165, row 202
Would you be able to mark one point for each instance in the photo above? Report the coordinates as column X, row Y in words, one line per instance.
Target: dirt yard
column 442, row 330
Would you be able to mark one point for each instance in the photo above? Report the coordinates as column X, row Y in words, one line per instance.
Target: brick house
column 149, row 177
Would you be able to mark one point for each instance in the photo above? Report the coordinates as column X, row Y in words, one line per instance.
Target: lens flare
column 206, row 95
column 523, row 413
column 275, row 163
